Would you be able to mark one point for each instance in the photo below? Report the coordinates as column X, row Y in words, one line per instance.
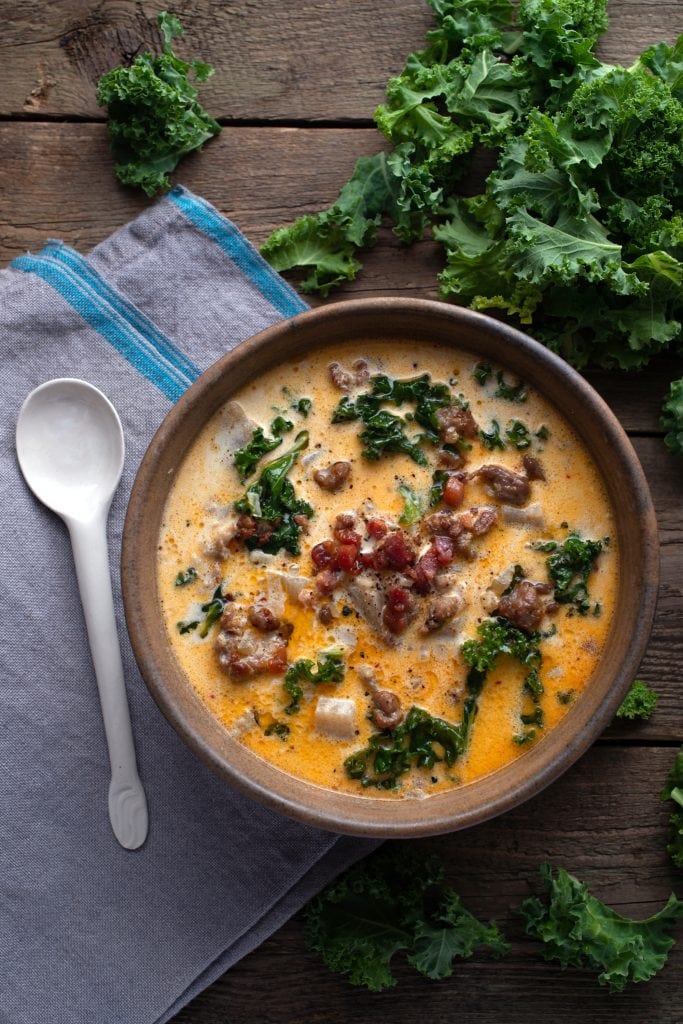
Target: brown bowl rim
column 366, row 815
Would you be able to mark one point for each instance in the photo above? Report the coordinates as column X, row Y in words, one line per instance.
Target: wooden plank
column 306, row 60
column 71, row 162
column 260, row 177
column 603, row 821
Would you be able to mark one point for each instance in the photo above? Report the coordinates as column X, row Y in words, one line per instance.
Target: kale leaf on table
column 154, row 115
column 579, row 229
column 673, row 790
column 578, row 930
column 395, row 901
column 639, row 702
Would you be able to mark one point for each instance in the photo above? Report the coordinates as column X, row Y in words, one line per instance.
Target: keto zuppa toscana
column 390, row 571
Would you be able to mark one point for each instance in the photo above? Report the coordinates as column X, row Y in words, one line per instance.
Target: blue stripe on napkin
column 123, row 325
column 86, row 298
column 204, row 216
column 80, row 266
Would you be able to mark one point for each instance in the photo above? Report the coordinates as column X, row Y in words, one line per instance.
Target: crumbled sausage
column 442, row 610
column 438, row 554
column 333, row 477
column 243, row 652
column 454, row 423
column 325, row 614
column 361, row 370
column 340, row 377
column 386, row 709
column 263, row 619
column 451, row 460
column 533, row 468
column 504, row 484
column 245, row 528
column 524, row 606
column 445, row 524
column 479, row 519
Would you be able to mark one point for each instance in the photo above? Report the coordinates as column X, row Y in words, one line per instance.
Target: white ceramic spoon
column 70, row 449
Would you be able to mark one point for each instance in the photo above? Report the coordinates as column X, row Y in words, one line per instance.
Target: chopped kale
column 578, row 930
column 188, row 576
column 534, row 718
column 482, row 372
column 303, row 406
column 639, row 702
column 391, row 753
column 154, row 114
column 384, row 433
column 393, row 901
column 281, row 426
column 329, row 668
column 246, row 459
column 213, row 610
column 492, row 438
column 521, row 738
column 543, row 433
column 345, row 411
column 271, row 500
column 510, row 392
column 278, row 729
column 673, row 790
column 498, row 637
column 439, row 481
column 412, row 505
column 187, row 627
column 428, row 398
column 518, row 435
column 565, row 696
column 569, row 566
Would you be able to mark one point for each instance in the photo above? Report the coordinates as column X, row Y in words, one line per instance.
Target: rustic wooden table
column 295, row 86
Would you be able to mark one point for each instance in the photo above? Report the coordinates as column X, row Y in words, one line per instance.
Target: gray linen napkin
column 91, row 933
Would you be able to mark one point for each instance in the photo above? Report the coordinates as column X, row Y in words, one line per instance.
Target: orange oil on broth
column 428, row 672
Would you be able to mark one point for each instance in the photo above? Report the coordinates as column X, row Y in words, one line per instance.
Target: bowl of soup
column 390, row 567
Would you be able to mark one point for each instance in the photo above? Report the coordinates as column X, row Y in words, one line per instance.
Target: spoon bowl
column 70, row 447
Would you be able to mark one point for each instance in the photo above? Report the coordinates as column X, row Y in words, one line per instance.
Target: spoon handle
column 127, row 803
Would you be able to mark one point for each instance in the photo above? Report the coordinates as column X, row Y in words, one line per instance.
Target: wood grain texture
column 56, row 175
column 307, row 60
column 319, row 60
column 265, row 177
column 603, row 821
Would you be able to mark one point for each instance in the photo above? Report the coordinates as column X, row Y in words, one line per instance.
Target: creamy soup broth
column 418, row 660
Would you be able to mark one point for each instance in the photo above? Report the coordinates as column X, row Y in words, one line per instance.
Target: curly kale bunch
column 395, row 901
column 579, row 230
column 154, row 115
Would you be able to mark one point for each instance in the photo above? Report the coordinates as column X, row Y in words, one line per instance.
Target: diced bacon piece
column 377, row 528
column 394, row 552
column 479, row 519
column 397, row 610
